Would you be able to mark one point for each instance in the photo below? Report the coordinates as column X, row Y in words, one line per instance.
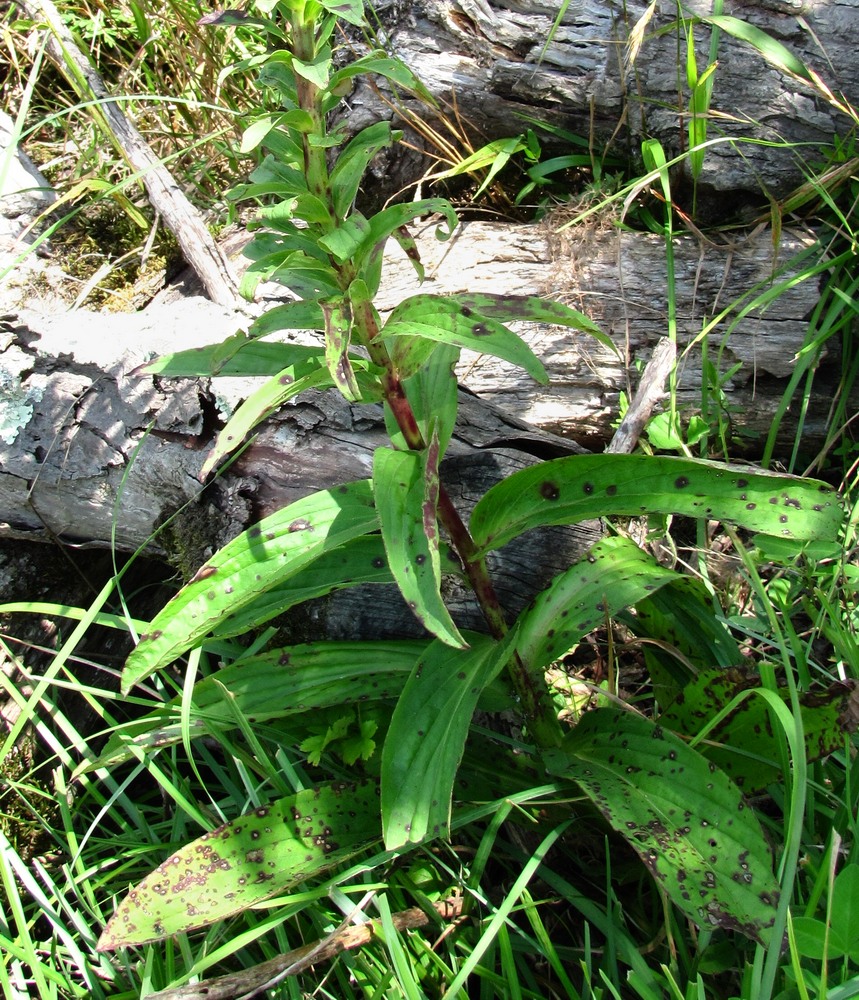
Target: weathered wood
column 179, row 215
column 94, row 452
column 490, row 59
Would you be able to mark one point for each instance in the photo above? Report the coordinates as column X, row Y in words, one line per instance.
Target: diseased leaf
column 684, row 818
column 426, row 738
column 361, row 560
column 614, row 575
column 533, row 309
column 262, row 557
column 405, row 485
column 569, row 490
column 243, row 862
column 338, row 330
column 274, row 685
column 261, row 404
column 744, row 745
column 445, row 319
column 433, row 393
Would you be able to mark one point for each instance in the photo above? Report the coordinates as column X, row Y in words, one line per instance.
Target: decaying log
column 490, row 61
column 92, row 452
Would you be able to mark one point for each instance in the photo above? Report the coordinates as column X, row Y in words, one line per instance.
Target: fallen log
column 496, row 66
column 94, row 454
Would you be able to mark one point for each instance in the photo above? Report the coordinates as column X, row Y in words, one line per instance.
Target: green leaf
column 568, row 490
column 381, row 64
column 391, row 220
column 744, row 745
column 318, row 71
column 614, row 575
column 533, row 309
column 302, row 315
column 447, row 320
column 361, row 560
column 433, row 394
column 405, row 485
column 244, row 862
column 683, row 817
column 773, row 51
column 235, row 356
column 349, row 10
column 353, row 161
column 261, row 404
column 426, row 738
column 293, row 680
column 300, row 272
column 262, row 557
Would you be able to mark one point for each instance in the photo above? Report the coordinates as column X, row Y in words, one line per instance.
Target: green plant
column 679, row 812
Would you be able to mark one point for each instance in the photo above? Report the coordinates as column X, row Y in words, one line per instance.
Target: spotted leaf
column 744, row 744
column 405, row 485
column 447, row 320
column 683, row 816
column 258, row 559
column 614, row 575
column 568, row 490
column 246, row 861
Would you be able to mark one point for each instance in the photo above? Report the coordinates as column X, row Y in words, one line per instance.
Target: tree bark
column 495, row 68
column 95, row 454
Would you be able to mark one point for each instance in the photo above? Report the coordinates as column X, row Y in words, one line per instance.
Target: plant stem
column 533, row 695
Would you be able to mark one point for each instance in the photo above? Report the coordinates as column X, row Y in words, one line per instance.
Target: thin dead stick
column 196, row 242
column 251, row 981
column 650, row 390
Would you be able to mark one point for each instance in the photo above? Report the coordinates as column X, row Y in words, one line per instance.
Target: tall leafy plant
column 680, row 812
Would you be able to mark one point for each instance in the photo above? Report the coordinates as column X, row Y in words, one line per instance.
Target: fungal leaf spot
column 244, row 862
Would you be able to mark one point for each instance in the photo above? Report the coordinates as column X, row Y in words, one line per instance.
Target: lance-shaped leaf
column 405, row 485
column 426, row 738
column 447, row 320
column 684, row 818
column 338, row 329
column 568, row 490
column 743, row 744
column 238, row 355
column 533, row 309
column 352, row 163
column 381, row 64
column 274, row 685
column 241, row 863
column 262, row 404
column 361, row 560
column 262, row 557
column 433, row 394
column 614, row 575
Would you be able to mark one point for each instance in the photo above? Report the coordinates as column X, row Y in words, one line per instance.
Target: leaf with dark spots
column 744, row 745
column 219, row 874
column 426, row 738
column 549, row 490
column 614, row 575
column 249, row 566
column 678, row 819
column 630, row 485
column 405, row 486
column 440, row 318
